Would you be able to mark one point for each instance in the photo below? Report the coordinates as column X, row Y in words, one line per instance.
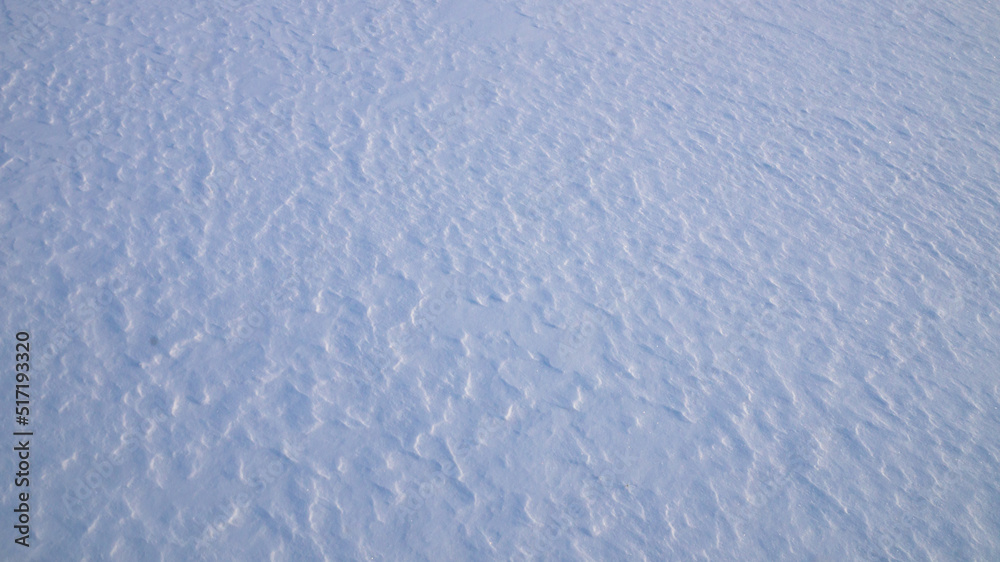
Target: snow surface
column 494, row 280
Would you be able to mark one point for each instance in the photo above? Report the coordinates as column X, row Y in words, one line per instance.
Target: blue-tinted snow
column 477, row 280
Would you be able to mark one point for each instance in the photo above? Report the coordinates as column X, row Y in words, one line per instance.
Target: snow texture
column 503, row 280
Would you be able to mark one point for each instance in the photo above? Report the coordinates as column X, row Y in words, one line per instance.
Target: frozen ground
column 483, row 280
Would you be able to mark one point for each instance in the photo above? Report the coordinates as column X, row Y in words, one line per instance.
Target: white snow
column 503, row 280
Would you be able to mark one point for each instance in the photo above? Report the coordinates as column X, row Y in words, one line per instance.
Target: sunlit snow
column 503, row 280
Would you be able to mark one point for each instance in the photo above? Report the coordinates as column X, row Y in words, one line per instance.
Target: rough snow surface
column 503, row 280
